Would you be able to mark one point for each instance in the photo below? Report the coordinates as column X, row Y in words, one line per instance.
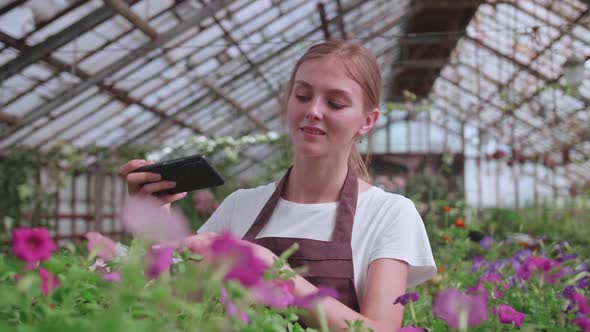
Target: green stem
column 463, row 320
column 322, row 319
column 413, row 314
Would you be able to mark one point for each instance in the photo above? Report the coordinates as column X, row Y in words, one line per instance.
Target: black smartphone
column 190, row 173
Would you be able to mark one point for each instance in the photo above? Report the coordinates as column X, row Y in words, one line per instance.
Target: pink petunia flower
column 99, row 265
column 49, row 282
column 32, row 245
column 232, row 309
column 460, row 310
column 243, row 264
column 275, row 293
column 410, row 329
column 102, row 245
column 541, row 264
column 509, row 315
column 157, row 260
column 147, row 220
column 309, row 301
column 583, row 323
column 582, row 303
column 112, row 276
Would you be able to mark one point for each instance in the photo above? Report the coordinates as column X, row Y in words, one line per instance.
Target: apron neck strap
column 344, row 214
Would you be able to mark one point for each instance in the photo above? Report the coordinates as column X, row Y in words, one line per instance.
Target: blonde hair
column 362, row 66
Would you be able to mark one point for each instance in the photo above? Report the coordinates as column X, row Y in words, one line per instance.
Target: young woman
column 368, row 244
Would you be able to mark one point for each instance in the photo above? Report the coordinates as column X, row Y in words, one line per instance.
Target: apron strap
column 344, row 214
column 266, row 212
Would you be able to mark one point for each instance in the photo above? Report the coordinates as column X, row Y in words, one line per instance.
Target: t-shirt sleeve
column 220, row 220
column 403, row 237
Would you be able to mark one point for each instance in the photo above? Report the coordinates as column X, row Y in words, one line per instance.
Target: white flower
column 273, row 135
column 248, row 139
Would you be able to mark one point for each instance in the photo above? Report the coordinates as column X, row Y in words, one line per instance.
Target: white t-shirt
column 385, row 226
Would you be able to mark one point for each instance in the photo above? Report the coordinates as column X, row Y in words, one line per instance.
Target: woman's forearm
column 336, row 313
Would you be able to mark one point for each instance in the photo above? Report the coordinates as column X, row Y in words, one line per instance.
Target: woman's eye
column 302, row 98
column 335, row 105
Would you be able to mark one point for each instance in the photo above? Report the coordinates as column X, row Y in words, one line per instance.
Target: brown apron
column 328, row 263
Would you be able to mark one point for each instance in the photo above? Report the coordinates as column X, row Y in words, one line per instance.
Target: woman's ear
column 369, row 121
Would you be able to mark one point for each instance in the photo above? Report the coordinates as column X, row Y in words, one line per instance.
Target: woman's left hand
column 200, row 243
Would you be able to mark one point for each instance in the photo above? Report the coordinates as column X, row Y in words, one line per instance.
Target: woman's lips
column 313, row 131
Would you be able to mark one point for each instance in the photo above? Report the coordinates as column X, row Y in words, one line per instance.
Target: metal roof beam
column 259, row 63
column 484, row 126
column 11, row 6
column 562, row 33
column 124, row 10
column 118, row 65
column 39, row 51
column 223, row 95
column 117, row 94
column 254, row 66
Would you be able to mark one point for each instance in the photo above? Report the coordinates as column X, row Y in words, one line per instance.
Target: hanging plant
column 499, row 154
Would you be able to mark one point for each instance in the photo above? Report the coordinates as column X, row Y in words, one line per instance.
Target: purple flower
column 404, row 299
column 410, row 329
column 477, row 262
column 460, row 310
column 32, row 245
column 497, row 265
column 243, row 264
column 508, row 315
column 559, row 246
column 112, row 276
column 309, row 301
column 532, row 264
column 568, row 291
column 492, row 278
column 583, row 283
column 486, row 243
column 157, row 260
column 148, row 220
column 584, row 266
column 566, row 257
column 276, row 293
column 480, row 289
column 520, row 257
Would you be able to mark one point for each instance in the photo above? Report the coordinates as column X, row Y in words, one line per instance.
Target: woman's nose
column 315, row 109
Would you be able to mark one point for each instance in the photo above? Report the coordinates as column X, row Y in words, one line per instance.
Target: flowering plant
column 492, row 281
column 155, row 284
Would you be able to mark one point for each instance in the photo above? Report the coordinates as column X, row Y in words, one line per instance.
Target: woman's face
column 325, row 111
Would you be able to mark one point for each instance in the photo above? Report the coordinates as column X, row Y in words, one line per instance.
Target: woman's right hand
column 145, row 183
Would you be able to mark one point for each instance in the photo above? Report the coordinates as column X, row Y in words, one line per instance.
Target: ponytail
column 356, row 162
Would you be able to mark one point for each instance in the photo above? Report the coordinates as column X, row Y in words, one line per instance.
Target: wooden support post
column 98, row 197
column 324, row 20
column 8, row 119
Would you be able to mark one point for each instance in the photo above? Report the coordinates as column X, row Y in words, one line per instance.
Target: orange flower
column 446, row 238
column 459, row 223
column 440, row 269
column 446, row 209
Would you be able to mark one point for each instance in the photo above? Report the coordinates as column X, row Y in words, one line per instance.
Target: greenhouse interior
column 483, row 124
